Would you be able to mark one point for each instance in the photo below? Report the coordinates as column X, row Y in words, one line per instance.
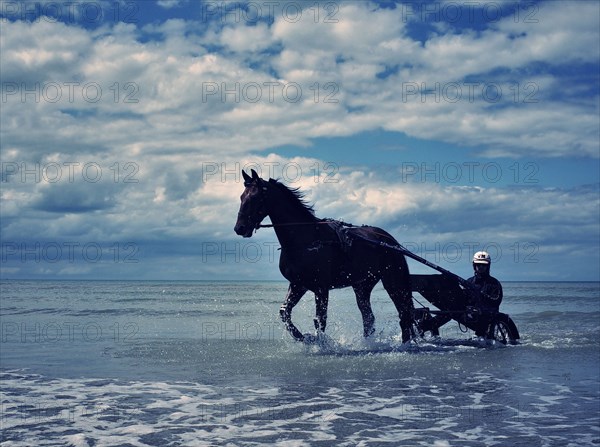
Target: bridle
column 262, row 201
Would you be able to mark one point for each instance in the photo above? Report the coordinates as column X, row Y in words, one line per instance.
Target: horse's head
column 253, row 208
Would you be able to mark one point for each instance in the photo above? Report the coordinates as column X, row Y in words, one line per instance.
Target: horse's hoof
column 284, row 315
column 310, row 339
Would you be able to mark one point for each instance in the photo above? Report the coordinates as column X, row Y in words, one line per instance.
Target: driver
column 489, row 287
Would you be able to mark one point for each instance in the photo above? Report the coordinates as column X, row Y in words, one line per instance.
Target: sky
column 455, row 125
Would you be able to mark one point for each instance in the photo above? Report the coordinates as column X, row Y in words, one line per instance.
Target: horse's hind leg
column 405, row 307
column 396, row 281
column 363, row 299
column 321, row 302
column 295, row 292
column 406, row 318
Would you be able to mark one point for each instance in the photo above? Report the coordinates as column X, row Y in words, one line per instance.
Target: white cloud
column 175, row 106
column 168, row 4
column 248, row 38
column 184, row 89
column 199, row 201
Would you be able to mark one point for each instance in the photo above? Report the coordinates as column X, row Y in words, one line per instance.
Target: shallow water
column 209, row 363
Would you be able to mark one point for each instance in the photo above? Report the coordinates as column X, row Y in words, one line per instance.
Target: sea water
column 103, row 363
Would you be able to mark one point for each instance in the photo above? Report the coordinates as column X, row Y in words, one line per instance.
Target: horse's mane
column 295, row 195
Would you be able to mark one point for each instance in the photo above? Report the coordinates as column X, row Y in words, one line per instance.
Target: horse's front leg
column 295, row 292
column 363, row 299
column 321, row 301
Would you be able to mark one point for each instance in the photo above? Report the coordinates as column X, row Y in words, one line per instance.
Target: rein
column 344, row 224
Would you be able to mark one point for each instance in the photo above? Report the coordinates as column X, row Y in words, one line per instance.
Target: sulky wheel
column 503, row 330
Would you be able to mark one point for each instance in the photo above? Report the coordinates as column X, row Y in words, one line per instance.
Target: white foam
column 405, row 409
column 77, row 440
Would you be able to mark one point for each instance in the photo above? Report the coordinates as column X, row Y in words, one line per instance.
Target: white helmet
column 482, row 257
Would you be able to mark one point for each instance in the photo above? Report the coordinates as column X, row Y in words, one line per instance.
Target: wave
column 456, row 411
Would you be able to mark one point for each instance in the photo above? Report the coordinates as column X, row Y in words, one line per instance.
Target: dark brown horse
column 320, row 254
